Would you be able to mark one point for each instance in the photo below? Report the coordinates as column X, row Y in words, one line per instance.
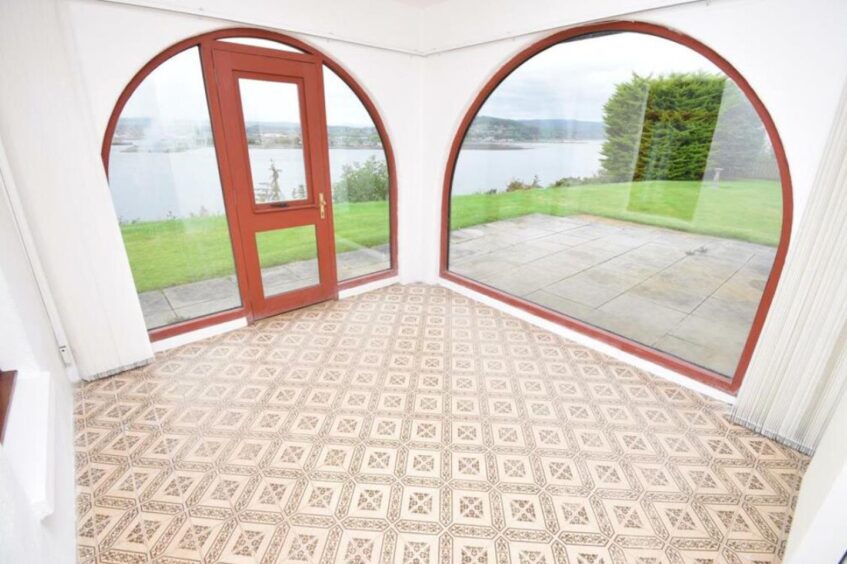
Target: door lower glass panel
column 288, row 259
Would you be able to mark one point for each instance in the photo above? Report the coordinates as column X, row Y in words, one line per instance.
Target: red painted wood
column 7, row 388
column 205, row 43
column 693, row 371
column 234, row 62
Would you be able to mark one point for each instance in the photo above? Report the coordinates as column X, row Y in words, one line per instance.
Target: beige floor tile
column 413, row 425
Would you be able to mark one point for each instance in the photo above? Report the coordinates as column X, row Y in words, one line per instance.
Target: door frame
column 245, row 216
column 246, row 32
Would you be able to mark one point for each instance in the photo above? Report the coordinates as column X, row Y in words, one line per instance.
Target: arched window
column 167, row 167
column 626, row 181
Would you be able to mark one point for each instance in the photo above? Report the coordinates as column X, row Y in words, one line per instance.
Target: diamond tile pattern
column 414, row 425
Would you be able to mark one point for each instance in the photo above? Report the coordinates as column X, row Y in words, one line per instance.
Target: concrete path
column 188, row 301
column 692, row 296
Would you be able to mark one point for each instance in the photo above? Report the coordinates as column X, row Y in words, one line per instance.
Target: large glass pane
column 288, row 258
column 167, row 194
column 274, row 140
column 359, row 173
column 627, row 182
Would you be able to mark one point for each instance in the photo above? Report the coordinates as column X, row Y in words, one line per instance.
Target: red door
column 276, row 151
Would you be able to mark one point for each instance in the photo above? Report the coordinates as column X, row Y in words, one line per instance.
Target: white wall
column 30, row 482
column 819, row 528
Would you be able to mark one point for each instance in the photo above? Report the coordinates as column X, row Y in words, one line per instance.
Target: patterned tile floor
column 413, row 425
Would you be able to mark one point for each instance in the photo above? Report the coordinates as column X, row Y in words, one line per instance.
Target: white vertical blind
column 798, row 372
column 53, row 159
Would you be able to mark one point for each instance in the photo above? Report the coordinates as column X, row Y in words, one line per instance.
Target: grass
column 167, row 253
column 179, row 251
column 749, row 210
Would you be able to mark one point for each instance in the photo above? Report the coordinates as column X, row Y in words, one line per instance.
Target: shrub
column 516, row 185
column 362, row 182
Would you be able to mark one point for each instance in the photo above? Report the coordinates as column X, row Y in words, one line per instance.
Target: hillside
column 494, row 129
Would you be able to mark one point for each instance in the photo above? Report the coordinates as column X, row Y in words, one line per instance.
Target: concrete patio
column 188, row 301
column 693, row 296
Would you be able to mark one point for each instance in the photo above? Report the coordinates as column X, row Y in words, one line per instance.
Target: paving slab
column 688, row 294
column 346, row 272
column 196, row 299
column 155, row 319
column 521, row 281
column 154, row 302
column 673, row 291
column 593, row 287
column 480, row 267
column 638, row 319
column 527, row 251
column 732, row 313
column 707, row 342
column 208, row 307
column 562, row 305
column 204, row 291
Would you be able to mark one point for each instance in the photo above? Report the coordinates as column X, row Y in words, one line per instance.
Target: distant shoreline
column 132, row 148
column 493, row 147
column 520, row 145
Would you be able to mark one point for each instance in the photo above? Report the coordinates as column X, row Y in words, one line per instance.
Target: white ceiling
column 420, row 3
column 416, row 27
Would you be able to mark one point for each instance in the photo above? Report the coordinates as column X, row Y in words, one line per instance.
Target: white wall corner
column 31, row 440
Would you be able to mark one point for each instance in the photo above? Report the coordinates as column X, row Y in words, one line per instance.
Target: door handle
column 322, row 202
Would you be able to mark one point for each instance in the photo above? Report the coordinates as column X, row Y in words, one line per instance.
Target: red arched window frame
column 688, row 369
column 203, row 43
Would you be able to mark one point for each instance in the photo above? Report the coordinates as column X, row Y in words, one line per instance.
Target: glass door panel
column 274, row 141
column 288, row 259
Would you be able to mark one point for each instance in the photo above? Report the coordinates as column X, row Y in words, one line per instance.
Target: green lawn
column 749, row 210
column 167, row 253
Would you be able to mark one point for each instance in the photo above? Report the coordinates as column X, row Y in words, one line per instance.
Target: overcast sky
column 174, row 91
column 573, row 80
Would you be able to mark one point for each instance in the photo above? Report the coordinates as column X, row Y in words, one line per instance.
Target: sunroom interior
column 423, row 281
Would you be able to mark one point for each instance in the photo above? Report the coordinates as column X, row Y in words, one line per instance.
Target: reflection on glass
column 163, row 175
column 274, row 140
column 627, row 182
column 264, row 43
column 288, row 258
column 359, row 174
